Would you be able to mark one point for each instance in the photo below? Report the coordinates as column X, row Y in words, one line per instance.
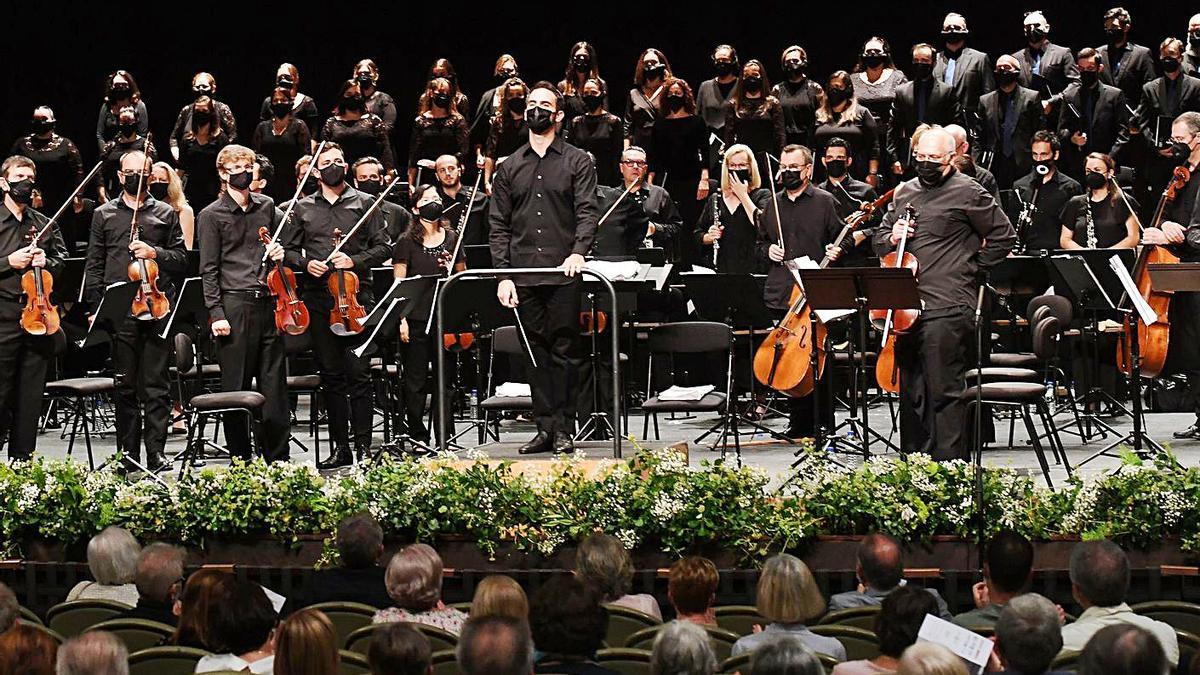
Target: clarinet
column 717, row 222
column 1025, row 220
column 1091, row 224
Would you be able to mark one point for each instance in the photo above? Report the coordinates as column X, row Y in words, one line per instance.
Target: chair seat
column 845, row 357
column 205, row 370
column 80, row 386
column 228, row 399
column 998, row 374
column 1009, row 392
column 712, row 401
column 304, row 381
column 1014, row 360
column 507, row 403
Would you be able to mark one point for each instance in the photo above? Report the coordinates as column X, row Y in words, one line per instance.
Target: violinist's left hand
column 39, row 258
column 141, row 249
column 341, row 261
column 834, row 252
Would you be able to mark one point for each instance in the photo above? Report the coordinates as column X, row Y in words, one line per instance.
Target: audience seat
column 624, row 660
column 722, row 640
column 624, row 622
column 1183, row 616
column 1189, row 645
column 734, row 664
column 439, row 640
column 72, row 618
column 739, row 619
column 41, row 627
column 860, row 644
column 859, row 617
column 445, row 662
column 350, row 663
column 137, row 634
column 1067, row 661
column 346, row 617
column 165, row 661
column 28, row 616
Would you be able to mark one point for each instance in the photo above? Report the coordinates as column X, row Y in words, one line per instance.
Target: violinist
column 959, row 230
column 424, row 249
column 23, row 357
column 140, row 355
column 307, row 242
column 850, row 195
column 240, row 307
column 369, row 179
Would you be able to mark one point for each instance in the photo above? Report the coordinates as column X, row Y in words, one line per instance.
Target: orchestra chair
column 307, row 384
column 506, row 342
column 81, row 395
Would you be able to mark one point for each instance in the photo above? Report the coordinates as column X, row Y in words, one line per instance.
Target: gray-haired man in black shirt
column 544, row 214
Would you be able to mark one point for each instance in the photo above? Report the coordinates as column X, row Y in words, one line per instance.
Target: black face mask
column 241, row 180
column 333, row 175
column 201, row 90
column 1089, row 78
column 794, row 68
column 792, row 178
column 922, row 71
column 724, row 68
column 430, row 211
column 582, row 64
column 285, row 82
column 675, row 103
column 654, row 71
column 365, row 80
column 1006, row 77
column 505, row 75
column 592, row 101
column 1035, row 35
column 158, row 190
column 539, row 119
column 835, row 168
column 1043, row 166
column 517, row 104
column 837, row 96
column 742, row 174
column 121, row 91
column 131, row 182
column 127, row 128
column 201, row 117
column 1114, row 35
column 310, row 186
column 41, row 126
column 441, row 100
column 281, row 110
column 752, row 84
column 873, row 60
column 1170, row 64
column 21, row 191
column 353, row 102
column 1180, row 152
column 929, row 172
column 1194, row 40
column 1094, row 180
column 371, row 186
column 954, row 35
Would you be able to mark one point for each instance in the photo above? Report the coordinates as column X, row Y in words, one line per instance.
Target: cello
column 898, row 321
column 149, row 303
column 1153, row 339
column 291, row 315
column 38, row 317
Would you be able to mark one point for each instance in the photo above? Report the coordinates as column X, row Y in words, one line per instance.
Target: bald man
column 1046, row 68
column 962, row 148
column 959, row 230
column 967, row 71
column 1007, row 117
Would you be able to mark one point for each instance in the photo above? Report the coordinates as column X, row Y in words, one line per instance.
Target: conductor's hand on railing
column 506, row 292
column 572, row 265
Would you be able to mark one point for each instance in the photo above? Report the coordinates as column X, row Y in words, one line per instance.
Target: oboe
column 1091, row 225
column 717, row 222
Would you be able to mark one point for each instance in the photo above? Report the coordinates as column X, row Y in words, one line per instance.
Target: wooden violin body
column 895, row 322
column 347, row 315
column 291, row 315
column 38, row 317
column 457, row 342
column 149, row 303
column 589, row 325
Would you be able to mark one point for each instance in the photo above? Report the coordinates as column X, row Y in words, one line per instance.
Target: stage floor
column 757, row 449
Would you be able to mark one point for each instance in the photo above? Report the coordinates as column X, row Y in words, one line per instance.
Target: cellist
column 959, row 230
column 1180, row 232
column 809, row 223
column 240, row 307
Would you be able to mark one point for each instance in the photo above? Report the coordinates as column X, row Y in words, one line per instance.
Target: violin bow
column 147, row 166
column 74, row 193
column 371, row 211
column 614, row 204
column 295, row 197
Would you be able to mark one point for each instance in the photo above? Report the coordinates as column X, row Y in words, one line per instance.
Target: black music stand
column 863, row 289
column 111, row 314
column 478, row 256
column 471, row 306
column 189, row 309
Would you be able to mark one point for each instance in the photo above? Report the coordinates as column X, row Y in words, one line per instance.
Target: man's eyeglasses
column 633, row 162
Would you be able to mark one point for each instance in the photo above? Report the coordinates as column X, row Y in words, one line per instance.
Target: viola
column 347, row 315
column 149, row 303
column 895, row 321
column 38, row 317
column 291, row 315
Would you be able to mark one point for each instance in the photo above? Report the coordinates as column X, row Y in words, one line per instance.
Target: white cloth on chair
column 677, row 393
column 513, row 390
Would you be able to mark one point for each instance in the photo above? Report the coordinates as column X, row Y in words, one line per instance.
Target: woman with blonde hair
column 603, row 564
column 787, row 597
column 927, row 658
column 726, row 232
column 414, row 582
column 500, row 595
column 166, row 186
column 306, row 644
column 112, row 559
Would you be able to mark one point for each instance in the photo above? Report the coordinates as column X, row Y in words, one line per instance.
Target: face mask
column 120, row 91
column 430, row 211
column 505, row 75
column 310, row 186
column 1043, row 166
column 333, row 175
column 365, row 80
column 21, row 191
column 517, row 104
column 675, row 103
column 724, row 68
column 753, row 84
column 792, row 178
column 130, row 184
column 836, row 168
column 873, row 60
column 127, row 128
column 742, row 174
column 539, row 119
column 1180, row 152
column 285, row 82
column 1035, row 35
column 201, row 117
column 922, row 71
column 41, row 126
column 281, row 110
column 158, row 190
column 241, row 180
column 1088, row 78
column 929, row 172
column 353, row 102
column 1114, row 34
column 583, row 64
column 837, row 96
column 370, row 186
column 654, row 71
column 1194, row 40
column 954, row 35
column 441, row 100
column 1094, row 180
column 201, row 89
column 592, row 101
column 1170, row 65
column 1006, row 77
column 794, row 68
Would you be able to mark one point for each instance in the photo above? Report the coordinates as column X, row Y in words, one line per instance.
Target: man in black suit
column 1127, row 66
column 1191, row 57
column 358, row 578
column 1093, row 117
column 1008, row 118
column 1163, row 100
column 923, row 100
column 968, row 71
column 1046, row 68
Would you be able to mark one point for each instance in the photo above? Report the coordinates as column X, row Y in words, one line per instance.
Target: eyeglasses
column 922, row 157
column 633, row 162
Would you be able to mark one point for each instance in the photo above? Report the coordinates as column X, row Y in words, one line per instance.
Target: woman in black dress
column 443, row 68
column 581, row 67
column 598, row 131
column 727, row 220
column 198, row 154
column 59, row 165
column 1100, row 218
column 753, row 117
column 203, row 84
column 678, row 146
column 304, row 108
column 840, row 116
column 284, row 140
column 798, row 95
column 360, row 133
column 508, row 131
column 379, row 103
column 438, row 130
column 504, row 70
column 642, row 109
column 120, row 90
column 127, row 140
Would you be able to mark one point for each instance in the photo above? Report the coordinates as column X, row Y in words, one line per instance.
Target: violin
column 895, row 321
column 38, row 317
column 149, row 303
column 291, row 315
column 455, row 342
column 1152, row 340
column 347, row 315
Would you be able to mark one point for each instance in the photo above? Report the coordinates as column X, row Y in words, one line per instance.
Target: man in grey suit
column 1127, row 66
column 1093, row 116
column 968, row 71
column 922, row 100
column 1008, row 118
column 1046, row 68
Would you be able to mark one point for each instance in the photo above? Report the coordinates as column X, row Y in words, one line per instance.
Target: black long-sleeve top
column 860, row 133
column 959, row 230
column 14, row 235
column 183, row 123
column 505, row 136
column 543, row 209
column 603, row 136
column 59, row 166
column 230, row 249
column 809, row 222
column 382, row 106
column 433, row 137
column 284, row 150
column 677, row 149
column 620, row 234
column 1044, row 229
column 366, row 136
column 198, row 162
column 641, row 113
column 304, row 108
column 309, row 236
column 107, row 123
column 756, row 124
column 738, row 252
column 799, row 101
column 108, row 245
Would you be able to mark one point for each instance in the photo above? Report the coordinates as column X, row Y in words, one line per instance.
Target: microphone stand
column 978, row 459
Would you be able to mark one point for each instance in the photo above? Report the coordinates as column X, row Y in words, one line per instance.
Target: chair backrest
column 739, row 619
column 358, row 640
column 1182, row 616
column 28, row 616
column 72, row 618
column 439, row 640
column 827, row 662
column 1045, row 337
column 506, row 341
column 722, row 640
column 860, row 643
column 185, row 353
column 623, row 622
column 350, row 663
column 690, row 337
column 1067, row 660
column 624, row 660
column 739, row 663
column 859, row 617
column 41, row 627
column 1059, row 306
column 165, row 661
column 137, row 634
column 346, row 617
column 445, row 662
column 1189, row 645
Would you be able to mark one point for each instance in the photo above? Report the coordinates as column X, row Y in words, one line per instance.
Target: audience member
column 603, row 563
column 500, row 595
column 10, row 609
column 787, row 597
column 358, row 576
column 399, row 649
column 25, row 650
column 1006, row 572
column 159, row 579
column 495, row 645
column 1028, row 635
column 306, row 644
column 93, row 653
column 568, row 624
column 880, row 571
column 1099, row 581
column 192, row 607
column 787, row 655
column 927, row 658
column 112, row 559
column 414, row 582
column 683, row 648
column 692, row 589
column 241, row 624
column 896, row 626
column 1123, row 649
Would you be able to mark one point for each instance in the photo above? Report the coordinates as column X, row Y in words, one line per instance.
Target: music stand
column 478, row 256
column 68, row 285
column 471, row 306
column 189, row 308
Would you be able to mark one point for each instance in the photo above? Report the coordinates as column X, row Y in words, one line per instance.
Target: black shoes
column 1190, row 432
column 157, row 462
column 563, row 442
column 341, row 457
column 539, row 443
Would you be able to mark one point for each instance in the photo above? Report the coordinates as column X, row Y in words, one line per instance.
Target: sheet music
column 971, row 647
column 1139, row 303
column 175, row 309
column 359, row 350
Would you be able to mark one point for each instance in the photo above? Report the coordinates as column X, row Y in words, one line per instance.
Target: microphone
column 1041, row 169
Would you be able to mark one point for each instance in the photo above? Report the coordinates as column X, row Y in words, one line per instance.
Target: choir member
column 120, row 91
column 1191, row 58
column 597, row 131
column 677, row 156
column 504, row 70
column 753, row 117
column 876, row 78
column 841, row 116
column 198, row 148
column 508, row 129
column 283, row 139
column 358, row 132
column 582, row 65
column 57, row 160
column 923, row 100
column 798, row 95
column 642, row 109
column 1163, row 99
column 379, row 103
column 1046, row 68
column 968, row 71
column 203, row 85
column 440, row 129
column 1126, row 66
column 1093, row 117
column 304, row 108
column 444, row 69
column 1007, row 119
column 712, row 94
column 1100, row 218
column 128, row 139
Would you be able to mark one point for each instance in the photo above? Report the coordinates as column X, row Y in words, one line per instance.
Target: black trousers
column 345, row 377
column 254, row 350
column 550, row 314
column 932, row 359
column 143, row 394
column 415, row 358
column 1005, row 170
column 1183, row 351
column 23, row 361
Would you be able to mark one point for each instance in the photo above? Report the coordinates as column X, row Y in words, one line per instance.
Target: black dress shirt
column 14, row 235
column 543, row 209
column 622, row 233
column 1045, row 228
column 230, row 250
column 309, row 236
column 476, row 223
column 959, row 230
column 108, row 245
column 850, row 195
column 809, row 222
column 111, row 155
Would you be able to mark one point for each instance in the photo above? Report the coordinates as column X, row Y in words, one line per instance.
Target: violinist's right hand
column 275, row 252
column 404, row 335
column 506, row 292
column 220, row 328
column 20, row 258
column 714, row 233
column 1174, row 232
column 317, row 268
column 900, row 229
column 775, row 253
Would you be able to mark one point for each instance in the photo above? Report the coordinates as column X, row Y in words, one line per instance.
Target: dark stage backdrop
column 58, row 53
